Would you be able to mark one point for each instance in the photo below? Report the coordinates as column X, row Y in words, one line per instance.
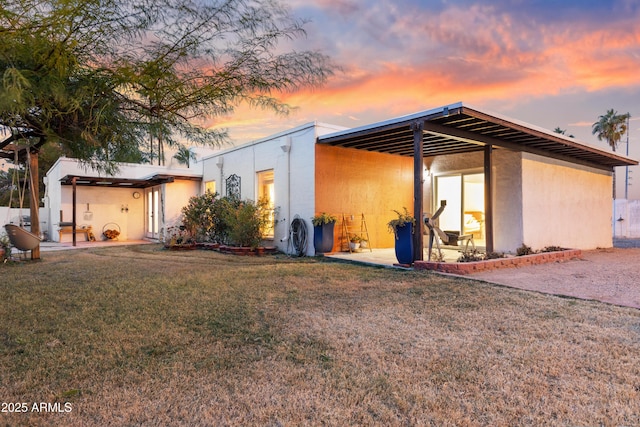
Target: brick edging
column 492, row 264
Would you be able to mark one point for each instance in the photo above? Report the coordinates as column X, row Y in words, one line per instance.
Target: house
column 505, row 182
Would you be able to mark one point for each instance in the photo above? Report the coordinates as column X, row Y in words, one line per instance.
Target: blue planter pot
column 323, row 238
column 404, row 244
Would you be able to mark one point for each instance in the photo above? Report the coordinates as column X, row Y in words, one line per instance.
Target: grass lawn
column 143, row 336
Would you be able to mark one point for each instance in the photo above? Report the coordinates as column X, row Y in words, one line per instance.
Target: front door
column 153, row 211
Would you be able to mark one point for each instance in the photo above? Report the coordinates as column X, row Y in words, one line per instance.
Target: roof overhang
column 458, row 128
column 115, row 182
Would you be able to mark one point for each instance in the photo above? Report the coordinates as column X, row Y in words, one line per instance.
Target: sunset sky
column 548, row 63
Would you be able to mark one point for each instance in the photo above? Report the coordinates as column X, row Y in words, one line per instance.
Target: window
column 464, row 213
column 266, row 191
column 210, row 187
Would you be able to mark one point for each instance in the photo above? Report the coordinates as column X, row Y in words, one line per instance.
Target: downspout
column 286, row 148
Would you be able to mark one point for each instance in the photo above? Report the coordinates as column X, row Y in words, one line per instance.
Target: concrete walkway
column 66, row 246
column 608, row 275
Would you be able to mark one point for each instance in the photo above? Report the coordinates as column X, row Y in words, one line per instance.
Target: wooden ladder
column 349, row 229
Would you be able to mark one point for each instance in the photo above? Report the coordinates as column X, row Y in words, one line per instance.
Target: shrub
column 552, row 249
column 199, row 216
column 227, row 220
column 524, row 250
column 5, row 244
column 475, row 255
column 178, row 235
column 493, row 255
column 222, row 210
column 247, row 222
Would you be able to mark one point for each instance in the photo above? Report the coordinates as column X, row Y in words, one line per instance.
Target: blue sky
column 549, row 63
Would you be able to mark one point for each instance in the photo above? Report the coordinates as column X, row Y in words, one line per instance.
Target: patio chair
column 21, row 239
column 447, row 237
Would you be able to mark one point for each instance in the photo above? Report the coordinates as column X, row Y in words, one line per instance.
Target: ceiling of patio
column 92, row 181
column 458, row 129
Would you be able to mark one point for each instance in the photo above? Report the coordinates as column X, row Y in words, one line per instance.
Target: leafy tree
column 184, row 155
column 104, row 76
column 109, row 79
column 610, row 127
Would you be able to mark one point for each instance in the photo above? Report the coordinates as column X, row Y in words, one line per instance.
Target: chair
column 21, row 239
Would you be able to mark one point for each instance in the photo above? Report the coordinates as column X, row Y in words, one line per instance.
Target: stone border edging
column 492, row 264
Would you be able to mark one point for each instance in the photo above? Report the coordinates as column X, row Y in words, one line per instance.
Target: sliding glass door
column 464, row 213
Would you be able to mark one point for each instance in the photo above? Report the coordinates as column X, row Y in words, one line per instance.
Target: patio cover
column 114, row 182
column 93, row 181
column 459, row 128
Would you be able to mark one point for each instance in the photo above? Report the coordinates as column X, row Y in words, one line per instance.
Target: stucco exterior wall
column 176, row 196
column 354, row 182
column 626, row 218
column 291, row 156
column 565, row 204
column 507, row 200
column 112, row 205
column 106, row 206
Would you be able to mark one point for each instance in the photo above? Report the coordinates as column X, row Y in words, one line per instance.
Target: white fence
column 12, row 216
column 626, row 218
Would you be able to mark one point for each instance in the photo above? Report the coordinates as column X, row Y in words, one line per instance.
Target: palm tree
column 562, row 132
column 184, row 155
column 610, row 127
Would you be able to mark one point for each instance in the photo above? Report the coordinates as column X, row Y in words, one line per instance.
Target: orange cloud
column 476, row 54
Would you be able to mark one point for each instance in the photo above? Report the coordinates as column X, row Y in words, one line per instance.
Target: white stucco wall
column 113, row 205
column 507, row 200
column 626, row 218
column 565, row 204
column 176, row 196
column 538, row 201
column 294, row 174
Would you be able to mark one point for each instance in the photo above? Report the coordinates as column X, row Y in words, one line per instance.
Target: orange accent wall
column 356, row 182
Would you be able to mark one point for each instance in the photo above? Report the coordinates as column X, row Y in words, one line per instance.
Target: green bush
column 227, row 220
column 247, row 223
column 199, row 216
column 6, row 245
column 524, row 250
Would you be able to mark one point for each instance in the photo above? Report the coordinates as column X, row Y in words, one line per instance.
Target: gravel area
column 607, row 275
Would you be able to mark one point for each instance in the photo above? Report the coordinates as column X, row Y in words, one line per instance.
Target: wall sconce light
column 124, row 208
column 220, row 162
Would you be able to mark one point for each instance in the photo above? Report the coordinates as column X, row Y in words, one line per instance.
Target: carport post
column 418, row 177
column 73, row 211
column 488, row 197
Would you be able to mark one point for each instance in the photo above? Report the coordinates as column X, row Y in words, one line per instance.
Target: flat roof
column 459, row 128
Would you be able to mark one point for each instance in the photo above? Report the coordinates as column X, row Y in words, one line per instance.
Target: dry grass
column 141, row 336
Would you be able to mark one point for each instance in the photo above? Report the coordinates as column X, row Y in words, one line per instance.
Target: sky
column 548, row 63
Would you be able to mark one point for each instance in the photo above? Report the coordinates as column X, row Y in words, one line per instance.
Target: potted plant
column 5, row 247
column 403, row 228
column 354, row 242
column 323, row 226
column 364, row 243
